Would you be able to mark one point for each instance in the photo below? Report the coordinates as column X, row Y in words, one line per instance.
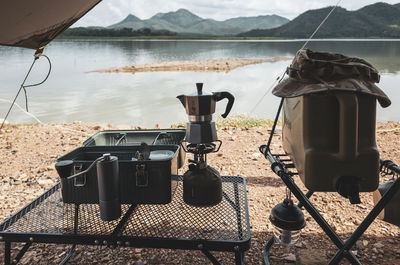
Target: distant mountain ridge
column 379, row 20
column 184, row 22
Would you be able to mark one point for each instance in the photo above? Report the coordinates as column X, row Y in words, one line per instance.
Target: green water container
column 331, row 139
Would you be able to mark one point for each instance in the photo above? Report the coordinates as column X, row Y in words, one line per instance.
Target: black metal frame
column 116, row 239
column 282, row 167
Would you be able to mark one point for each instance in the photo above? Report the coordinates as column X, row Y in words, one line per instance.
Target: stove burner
column 203, row 148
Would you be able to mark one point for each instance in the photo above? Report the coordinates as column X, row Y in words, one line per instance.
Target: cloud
column 111, row 11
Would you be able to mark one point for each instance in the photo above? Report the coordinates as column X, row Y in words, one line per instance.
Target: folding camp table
column 224, row 227
column 282, row 165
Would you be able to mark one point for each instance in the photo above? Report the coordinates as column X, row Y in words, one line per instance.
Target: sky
column 109, row 12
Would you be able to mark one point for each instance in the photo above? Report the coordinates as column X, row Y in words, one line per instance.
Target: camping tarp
column 34, row 23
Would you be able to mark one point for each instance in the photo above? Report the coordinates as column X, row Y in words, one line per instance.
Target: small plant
column 235, row 121
column 243, row 121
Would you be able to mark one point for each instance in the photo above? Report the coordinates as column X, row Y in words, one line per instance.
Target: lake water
column 147, row 99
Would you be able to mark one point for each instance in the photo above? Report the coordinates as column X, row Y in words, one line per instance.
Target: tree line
column 120, row 32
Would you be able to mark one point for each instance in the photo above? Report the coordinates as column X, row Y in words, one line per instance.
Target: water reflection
column 149, row 98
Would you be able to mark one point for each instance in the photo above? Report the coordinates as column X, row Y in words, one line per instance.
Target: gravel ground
column 28, row 154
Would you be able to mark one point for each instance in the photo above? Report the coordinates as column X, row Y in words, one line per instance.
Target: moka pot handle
column 221, row 95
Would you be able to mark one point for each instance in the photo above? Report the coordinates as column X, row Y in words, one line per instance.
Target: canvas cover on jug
column 329, row 116
column 313, row 72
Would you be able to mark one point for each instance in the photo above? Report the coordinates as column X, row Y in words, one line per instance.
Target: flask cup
column 108, row 183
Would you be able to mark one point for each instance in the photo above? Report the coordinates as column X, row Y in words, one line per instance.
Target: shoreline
column 214, row 65
column 214, row 38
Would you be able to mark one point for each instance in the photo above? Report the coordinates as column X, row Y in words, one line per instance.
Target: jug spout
column 182, row 98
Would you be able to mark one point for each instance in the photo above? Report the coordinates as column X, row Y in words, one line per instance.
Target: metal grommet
column 96, row 242
column 236, row 248
column 127, row 243
column 31, row 239
column 1, row 238
column 200, row 246
column 119, row 243
column 105, row 242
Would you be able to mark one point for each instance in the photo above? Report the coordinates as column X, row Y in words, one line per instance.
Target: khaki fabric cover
column 316, row 72
column 34, row 23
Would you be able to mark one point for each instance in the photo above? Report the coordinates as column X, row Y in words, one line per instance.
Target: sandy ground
column 218, row 65
column 27, row 160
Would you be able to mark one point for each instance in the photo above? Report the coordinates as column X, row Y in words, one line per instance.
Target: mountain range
column 379, row 20
column 183, row 22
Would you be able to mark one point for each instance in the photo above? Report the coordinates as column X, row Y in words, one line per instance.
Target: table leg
column 22, row 252
column 124, row 219
column 69, row 255
column 213, row 260
column 7, row 253
column 239, row 258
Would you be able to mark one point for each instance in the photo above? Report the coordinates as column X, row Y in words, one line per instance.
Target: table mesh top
column 227, row 221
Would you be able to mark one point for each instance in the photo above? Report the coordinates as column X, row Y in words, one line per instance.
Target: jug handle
column 221, row 95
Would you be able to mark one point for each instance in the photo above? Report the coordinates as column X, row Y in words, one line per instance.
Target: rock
column 153, row 259
column 139, row 262
column 44, row 181
column 312, row 257
column 365, row 243
column 299, row 245
column 62, row 254
column 138, row 250
column 359, row 244
column 378, row 245
column 290, row 257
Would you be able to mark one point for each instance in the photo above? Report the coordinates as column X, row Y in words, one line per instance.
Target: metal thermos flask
column 108, row 183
